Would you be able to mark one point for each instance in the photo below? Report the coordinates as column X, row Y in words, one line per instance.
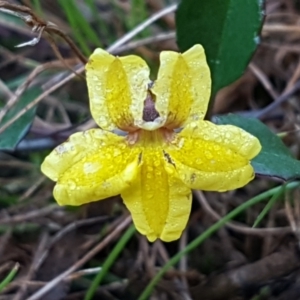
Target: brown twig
column 227, row 284
column 38, row 99
column 142, row 42
column 38, row 25
column 30, row 215
column 55, row 49
column 183, row 266
column 59, row 235
column 50, row 285
column 32, row 189
column 239, row 228
column 293, row 215
column 5, row 238
column 80, row 68
column 264, row 80
column 33, row 268
column 22, row 88
column 6, row 91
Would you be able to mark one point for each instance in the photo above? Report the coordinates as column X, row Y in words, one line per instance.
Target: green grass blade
column 84, row 25
column 72, row 18
column 269, row 205
column 101, row 24
column 9, row 277
column 207, row 233
column 38, row 7
column 109, row 261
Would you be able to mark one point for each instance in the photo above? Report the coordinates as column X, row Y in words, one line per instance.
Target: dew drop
column 158, row 173
column 72, row 184
column 156, row 163
column 198, row 161
column 116, row 152
column 228, row 135
column 181, row 143
column 149, row 195
column 61, row 149
column 162, row 189
column 149, row 169
column 106, row 185
column 208, row 155
column 90, row 167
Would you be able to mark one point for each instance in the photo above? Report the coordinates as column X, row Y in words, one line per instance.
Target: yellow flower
column 155, row 166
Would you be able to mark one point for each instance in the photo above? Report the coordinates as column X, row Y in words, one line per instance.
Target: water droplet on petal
column 156, row 163
column 72, row 184
column 198, row 161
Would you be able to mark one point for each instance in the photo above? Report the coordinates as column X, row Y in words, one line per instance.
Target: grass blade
column 109, row 261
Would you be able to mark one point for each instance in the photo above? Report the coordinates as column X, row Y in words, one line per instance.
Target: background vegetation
column 241, row 244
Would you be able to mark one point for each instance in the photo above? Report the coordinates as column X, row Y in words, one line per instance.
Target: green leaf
column 15, row 132
column 227, row 29
column 274, row 160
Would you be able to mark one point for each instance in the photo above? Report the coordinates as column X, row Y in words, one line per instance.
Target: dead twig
column 5, row 90
column 80, row 68
column 22, row 88
column 30, row 215
column 50, row 285
column 59, row 235
column 239, row 228
column 127, row 37
column 146, row 41
column 32, row 189
column 183, row 266
column 254, row 275
column 293, row 215
column 261, row 76
column 33, row 268
column 38, row 25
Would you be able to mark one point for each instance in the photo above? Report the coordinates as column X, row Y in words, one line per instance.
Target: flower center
column 149, row 112
column 152, row 139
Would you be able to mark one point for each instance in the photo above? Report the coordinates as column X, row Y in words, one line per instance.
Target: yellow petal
column 117, row 89
column 90, row 166
column 214, row 157
column 159, row 202
column 183, row 86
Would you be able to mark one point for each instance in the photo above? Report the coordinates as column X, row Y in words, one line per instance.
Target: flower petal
column 90, row 166
column 214, row 157
column 117, row 89
column 183, row 86
column 159, row 202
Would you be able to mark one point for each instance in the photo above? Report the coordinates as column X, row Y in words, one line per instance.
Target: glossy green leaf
column 274, row 160
column 15, row 132
column 227, row 29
